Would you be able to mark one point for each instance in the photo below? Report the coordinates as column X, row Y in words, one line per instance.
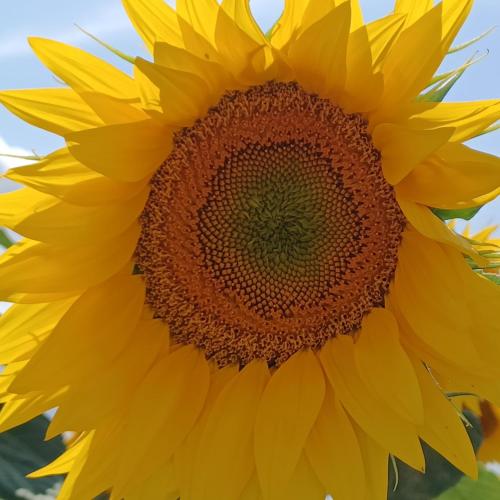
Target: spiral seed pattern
column 270, row 228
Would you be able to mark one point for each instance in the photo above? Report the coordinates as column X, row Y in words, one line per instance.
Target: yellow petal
column 159, row 485
column 211, row 72
column 113, row 110
column 483, row 235
column 241, row 13
column 426, row 32
column 63, row 463
column 24, row 327
column 375, row 459
column 481, row 200
column 127, row 152
column 289, row 22
column 225, row 462
column 24, row 408
column 451, row 373
column 183, row 95
column 382, row 33
column 482, row 300
column 60, row 174
column 155, row 21
column 90, row 475
column 435, row 31
column 443, row 430
column 430, row 226
column 170, row 400
column 371, row 413
column 34, row 319
column 44, row 218
column 83, row 71
column 252, row 490
column 237, row 47
column 404, row 148
column 287, row 411
column 452, row 177
column 185, row 456
column 363, row 86
column 196, row 43
column 149, row 94
column 356, row 15
column 413, row 9
column 91, row 400
column 201, row 15
column 37, row 298
column 57, row 110
column 333, row 451
column 303, row 484
column 38, row 268
column 468, row 119
column 8, row 374
column 318, row 57
column 456, row 379
column 385, row 367
column 100, row 321
column 315, row 11
column 429, row 295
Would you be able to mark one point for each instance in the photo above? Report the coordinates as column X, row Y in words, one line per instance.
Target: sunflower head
column 270, row 228
column 233, row 282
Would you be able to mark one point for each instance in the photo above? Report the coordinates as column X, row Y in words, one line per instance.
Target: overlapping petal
column 57, row 110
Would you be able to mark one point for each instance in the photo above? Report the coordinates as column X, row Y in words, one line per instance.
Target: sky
column 56, row 19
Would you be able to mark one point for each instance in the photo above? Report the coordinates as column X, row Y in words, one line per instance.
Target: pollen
column 270, row 227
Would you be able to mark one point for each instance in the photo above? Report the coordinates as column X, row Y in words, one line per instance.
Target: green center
column 278, row 220
column 273, row 224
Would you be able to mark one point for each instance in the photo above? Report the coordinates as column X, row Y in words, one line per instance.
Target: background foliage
column 23, row 450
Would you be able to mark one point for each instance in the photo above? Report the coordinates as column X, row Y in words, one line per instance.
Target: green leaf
column 487, row 487
column 440, row 91
column 116, row 52
column 449, row 74
column 33, row 157
column 5, row 241
column 446, row 81
column 463, row 213
column 492, row 277
column 471, row 42
column 23, row 450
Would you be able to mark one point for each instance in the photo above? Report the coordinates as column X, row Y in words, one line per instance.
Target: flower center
column 269, row 233
column 270, row 228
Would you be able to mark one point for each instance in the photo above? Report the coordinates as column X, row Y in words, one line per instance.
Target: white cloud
column 7, row 162
column 108, row 21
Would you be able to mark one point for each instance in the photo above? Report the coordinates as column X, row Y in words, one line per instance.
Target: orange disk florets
column 270, row 227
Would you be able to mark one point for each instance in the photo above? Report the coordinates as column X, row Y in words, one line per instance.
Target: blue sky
column 55, row 19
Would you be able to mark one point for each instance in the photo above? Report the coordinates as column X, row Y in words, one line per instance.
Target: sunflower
column 232, row 284
column 489, row 413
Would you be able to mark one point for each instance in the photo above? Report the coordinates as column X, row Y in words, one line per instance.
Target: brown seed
column 270, row 227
